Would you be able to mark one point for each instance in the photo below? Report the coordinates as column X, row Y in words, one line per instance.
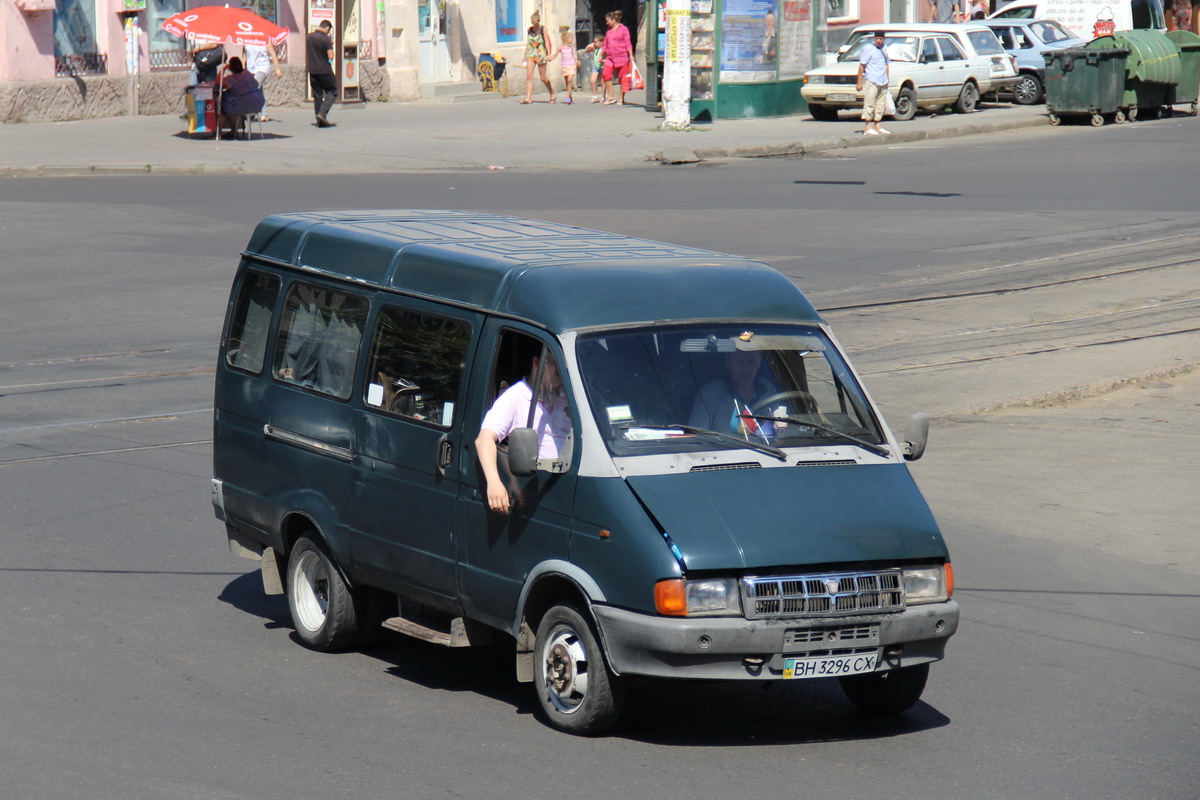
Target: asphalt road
column 1019, row 276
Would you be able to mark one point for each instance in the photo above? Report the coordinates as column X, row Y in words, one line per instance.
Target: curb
column 117, row 170
column 794, row 149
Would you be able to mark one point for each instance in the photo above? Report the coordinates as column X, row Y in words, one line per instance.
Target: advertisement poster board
column 749, row 41
column 795, row 39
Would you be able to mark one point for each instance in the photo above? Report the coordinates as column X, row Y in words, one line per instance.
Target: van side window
column 319, row 337
column 416, row 365
column 246, row 346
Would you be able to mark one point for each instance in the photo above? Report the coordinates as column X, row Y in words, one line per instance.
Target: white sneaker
column 883, row 130
column 871, row 132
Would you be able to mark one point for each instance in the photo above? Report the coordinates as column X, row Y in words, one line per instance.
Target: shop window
column 842, row 10
column 75, row 49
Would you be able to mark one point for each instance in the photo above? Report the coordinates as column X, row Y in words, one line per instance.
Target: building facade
column 78, row 59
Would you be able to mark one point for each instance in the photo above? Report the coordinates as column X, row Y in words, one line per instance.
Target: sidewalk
column 428, row 135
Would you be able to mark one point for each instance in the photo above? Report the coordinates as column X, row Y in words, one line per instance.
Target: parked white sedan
column 932, row 66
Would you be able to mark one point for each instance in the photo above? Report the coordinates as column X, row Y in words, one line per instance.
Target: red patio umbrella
column 224, row 25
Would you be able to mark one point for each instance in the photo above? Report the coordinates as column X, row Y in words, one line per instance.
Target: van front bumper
column 725, row 648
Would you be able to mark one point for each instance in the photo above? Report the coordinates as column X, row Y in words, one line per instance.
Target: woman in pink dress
column 618, row 54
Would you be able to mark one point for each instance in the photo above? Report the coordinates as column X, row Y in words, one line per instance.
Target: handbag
column 890, row 106
column 636, row 82
column 209, row 59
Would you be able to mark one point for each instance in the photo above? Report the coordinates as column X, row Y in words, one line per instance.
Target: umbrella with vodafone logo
column 224, row 25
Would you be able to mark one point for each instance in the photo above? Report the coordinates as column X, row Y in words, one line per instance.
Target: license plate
column 840, row 98
column 829, row 666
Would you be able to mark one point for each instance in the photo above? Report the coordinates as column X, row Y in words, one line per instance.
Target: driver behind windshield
column 725, row 405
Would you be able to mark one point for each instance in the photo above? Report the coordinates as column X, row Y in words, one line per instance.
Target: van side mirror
column 522, row 452
column 917, row 436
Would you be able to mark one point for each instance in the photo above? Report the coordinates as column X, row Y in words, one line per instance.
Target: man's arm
column 486, row 449
column 859, row 84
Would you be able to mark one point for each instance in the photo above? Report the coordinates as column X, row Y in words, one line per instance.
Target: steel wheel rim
column 310, row 591
column 565, row 669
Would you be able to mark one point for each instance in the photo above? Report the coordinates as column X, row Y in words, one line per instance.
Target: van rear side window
column 417, row 363
column 319, row 336
column 246, row 346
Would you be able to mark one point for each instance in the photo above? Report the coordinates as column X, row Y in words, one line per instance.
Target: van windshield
column 728, row 380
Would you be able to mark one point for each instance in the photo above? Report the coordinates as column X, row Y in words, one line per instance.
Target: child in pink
column 570, row 64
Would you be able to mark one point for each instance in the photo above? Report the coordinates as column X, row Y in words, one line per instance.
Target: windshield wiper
column 759, row 446
column 874, row 448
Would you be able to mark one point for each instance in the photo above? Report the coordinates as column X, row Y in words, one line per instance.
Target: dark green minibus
column 623, row 457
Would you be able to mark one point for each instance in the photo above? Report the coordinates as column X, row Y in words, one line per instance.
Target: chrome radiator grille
column 833, row 594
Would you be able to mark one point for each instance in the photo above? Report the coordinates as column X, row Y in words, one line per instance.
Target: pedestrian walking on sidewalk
column 596, row 48
column 618, row 55
column 873, row 83
column 569, row 63
column 538, row 50
column 318, row 62
column 261, row 62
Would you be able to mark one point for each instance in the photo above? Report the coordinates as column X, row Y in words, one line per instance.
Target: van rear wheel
column 577, row 691
column 325, row 610
column 890, row 692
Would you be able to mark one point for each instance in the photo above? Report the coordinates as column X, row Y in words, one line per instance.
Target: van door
column 406, row 482
column 497, row 551
column 309, row 421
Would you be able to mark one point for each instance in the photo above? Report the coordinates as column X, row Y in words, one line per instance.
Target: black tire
column 968, row 98
column 890, row 692
column 823, row 113
column 325, row 610
column 1029, row 90
column 906, row 104
column 576, row 690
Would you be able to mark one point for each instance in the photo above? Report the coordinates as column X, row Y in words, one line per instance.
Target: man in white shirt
column 260, row 61
column 551, row 421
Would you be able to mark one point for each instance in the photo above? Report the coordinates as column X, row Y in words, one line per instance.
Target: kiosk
column 748, row 56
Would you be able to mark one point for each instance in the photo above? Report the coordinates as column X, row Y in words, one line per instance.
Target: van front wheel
column 888, row 692
column 324, row 609
column 577, row 691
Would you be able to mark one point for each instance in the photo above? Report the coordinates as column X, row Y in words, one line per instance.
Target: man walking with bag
column 318, row 62
column 873, row 83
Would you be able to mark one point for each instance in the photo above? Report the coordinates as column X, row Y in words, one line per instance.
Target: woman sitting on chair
column 240, row 96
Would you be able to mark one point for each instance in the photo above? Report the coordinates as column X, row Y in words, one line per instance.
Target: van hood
column 792, row 516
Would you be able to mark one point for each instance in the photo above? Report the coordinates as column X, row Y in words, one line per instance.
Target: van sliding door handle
column 445, row 453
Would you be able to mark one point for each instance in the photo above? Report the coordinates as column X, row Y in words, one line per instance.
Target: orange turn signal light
column 949, row 580
column 670, row 597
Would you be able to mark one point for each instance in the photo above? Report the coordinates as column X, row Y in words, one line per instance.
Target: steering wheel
column 805, row 401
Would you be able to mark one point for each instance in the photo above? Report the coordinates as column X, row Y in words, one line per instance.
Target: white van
column 1088, row 19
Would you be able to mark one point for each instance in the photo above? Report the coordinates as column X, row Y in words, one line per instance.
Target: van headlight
column 928, row 584
column 715, row 597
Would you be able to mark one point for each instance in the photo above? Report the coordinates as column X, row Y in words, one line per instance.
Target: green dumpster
column 1087, row 81
column 1151, row 70
column 1188, row 88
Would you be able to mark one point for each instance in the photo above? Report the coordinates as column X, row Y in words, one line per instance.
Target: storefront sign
column 508, row 20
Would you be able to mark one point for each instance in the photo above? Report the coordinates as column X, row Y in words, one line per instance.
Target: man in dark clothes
column 318, row 58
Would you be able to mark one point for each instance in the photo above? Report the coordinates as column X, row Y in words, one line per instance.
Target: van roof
column 557, row 276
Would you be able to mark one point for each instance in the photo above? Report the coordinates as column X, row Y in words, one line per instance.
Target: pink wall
column 26, row 44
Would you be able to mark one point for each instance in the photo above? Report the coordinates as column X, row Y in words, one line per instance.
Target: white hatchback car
column 931, row 66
